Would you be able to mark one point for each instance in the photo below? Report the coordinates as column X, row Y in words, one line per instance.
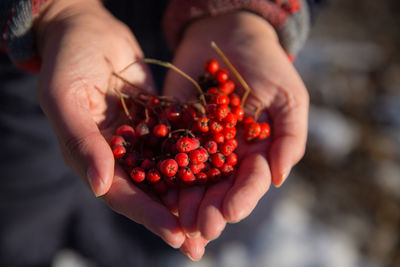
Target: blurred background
column 341, row 204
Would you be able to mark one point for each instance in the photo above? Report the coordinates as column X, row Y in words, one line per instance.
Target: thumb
column 84, row 148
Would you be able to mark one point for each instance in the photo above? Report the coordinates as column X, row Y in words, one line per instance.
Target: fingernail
column 193, row 235
column 282, row 179
column 94, row 181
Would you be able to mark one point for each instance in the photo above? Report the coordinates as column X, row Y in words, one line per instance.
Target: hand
column 80, row 44
column 252, row 46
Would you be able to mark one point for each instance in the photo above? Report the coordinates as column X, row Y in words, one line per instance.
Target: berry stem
column 173, row 67
column 131, row 84
column 122, row 97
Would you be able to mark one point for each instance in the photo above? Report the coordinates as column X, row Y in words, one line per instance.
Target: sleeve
column 17, row 38
column 290, row 18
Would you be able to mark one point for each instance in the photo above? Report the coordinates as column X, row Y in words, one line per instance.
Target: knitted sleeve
column 17, row 37
column 290, row 18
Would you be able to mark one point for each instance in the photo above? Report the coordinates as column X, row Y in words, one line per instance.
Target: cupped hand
column 80, row 45
column 252, row 45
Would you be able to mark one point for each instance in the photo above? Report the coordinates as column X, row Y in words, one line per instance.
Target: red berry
column 201, row 178
column 186, row 175
column 153, row 175
column 230, row 120
column 211, row 110
column 222, row 111
column 202, row 124
column 154, row 101
column 147, row 164
column 211, row 147
column 160, row 130
column 222, row 76
column 131, row 159
column 125, row 131
column 182, row 159
column 231, row 159
column 265, row 130
column 234, row 100
column 198, row 156
column 118, row 151
column 138, row 175
column 226, row 148
column 185, row 144
column 196, row 168
column 248, row 120
column 229, row 133
column 218, row 138
column 252, row 130
column 227, row 87
column 160, row 188
column 174, row 113
column 142, row 129
column 212, row 91
column 117, row 140
column 238, row 111
column 172, row 181
column 218, row 159
column 169, row 167
column 223, row 100
column 226, row 169
column 213, row 174
column 216, row 127
column 212, row 66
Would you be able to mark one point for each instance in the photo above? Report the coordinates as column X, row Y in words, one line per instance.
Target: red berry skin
column 216, row 127
column 212, row 66
column 230, row 120
column 154, row 101
column 227, row 87
column 160, row 188
column 253, row 130
column 226, row 148
column 211, row 110
column 201, row 178
column 147, row 164
column 239, row 112
column 185, row 144
column 265, row 130
column 231, row 159
column 198, row 156
column 125, row 131
column 211, row 147
column 182, row 159
column 153, row 175
column 160, row 130
column 202, row 124
column 221, row 112
column 234, row 100
column 229, row 133
column 138, row 175
column 174, row 113
column 226, row 169
column 213, row 175
column 119, row 151
column 222, row 76
column 217, row 159
column 196, row 168
column 169, row 167
column 223, row 100
column 219, row 138
column 142, row 129
column 248, row 120
column 131, row 159
column 117, row 140
column 186, row 176
column 212, row 91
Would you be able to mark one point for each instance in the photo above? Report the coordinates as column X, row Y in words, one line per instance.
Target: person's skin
column 252, row 45
column 80, row 44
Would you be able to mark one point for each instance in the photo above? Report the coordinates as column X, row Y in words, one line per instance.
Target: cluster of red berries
column 170, row 144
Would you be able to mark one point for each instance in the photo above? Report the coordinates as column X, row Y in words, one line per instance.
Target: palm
column 276, row 88
column 77, row 93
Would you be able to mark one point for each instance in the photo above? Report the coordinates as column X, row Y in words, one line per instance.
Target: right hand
column 80, row 44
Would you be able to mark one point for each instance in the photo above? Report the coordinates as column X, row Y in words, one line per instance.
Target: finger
column 189, row 202
column 211, row 221
column 289, row 135
column 127, row 199
column 170, row 200
column 252, row 181
column 194, row 248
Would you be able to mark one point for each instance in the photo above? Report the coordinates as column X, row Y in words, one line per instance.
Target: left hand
column 252, row 46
